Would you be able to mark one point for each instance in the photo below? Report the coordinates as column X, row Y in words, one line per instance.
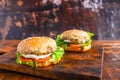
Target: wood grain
column 110, row 67
column 73, row 66
column 112, row 61
column 11, row 75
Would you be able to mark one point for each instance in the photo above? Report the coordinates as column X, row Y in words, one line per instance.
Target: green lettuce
column 57, row 55
column 90, row 34
column 18, row 61
column 61, row 42
column 89, row 40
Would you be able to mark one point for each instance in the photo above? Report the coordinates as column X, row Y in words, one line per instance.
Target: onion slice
column 35, row 56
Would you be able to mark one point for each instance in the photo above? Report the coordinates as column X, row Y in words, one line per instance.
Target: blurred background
column 20, row 19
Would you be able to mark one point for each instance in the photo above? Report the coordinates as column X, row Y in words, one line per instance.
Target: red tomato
column 75, row 45
column 25, row 59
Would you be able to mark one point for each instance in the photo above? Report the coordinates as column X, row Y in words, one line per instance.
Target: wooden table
column 111, row 63
column 10, row 45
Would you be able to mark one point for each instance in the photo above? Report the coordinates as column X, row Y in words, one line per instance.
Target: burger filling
column 34, row 60
column 35, row 56
column 82, row 41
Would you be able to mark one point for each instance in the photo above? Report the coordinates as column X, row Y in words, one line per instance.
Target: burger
column 38, row 52
column 75, row 40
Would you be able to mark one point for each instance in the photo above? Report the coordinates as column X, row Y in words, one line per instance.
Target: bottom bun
column 42, row 64
column 79, row 49
column 47, row 63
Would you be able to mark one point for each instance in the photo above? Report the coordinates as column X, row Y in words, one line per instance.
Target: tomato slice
column 73, row 49
column 23, row 59
column 43, row 59
column 74, row 45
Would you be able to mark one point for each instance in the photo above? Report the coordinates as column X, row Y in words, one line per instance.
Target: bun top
column 37, row 45
column 75, row 35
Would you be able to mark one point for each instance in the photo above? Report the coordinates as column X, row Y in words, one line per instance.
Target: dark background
column 20, row 19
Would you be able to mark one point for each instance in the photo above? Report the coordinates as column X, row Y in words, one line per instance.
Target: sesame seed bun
column 74, row 35
column 37, row 45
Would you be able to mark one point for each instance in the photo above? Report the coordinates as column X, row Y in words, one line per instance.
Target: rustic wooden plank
column 73, row 66
column 96, row 43
column 8, row 45
column 104, row 43
column 105, row 75
column 6, row 49
column 112, row 61
column 11, row 75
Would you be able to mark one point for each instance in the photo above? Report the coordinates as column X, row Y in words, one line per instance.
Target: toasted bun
column 79, row 49
column 37, row 45
column 74, row 35
column 46, row 63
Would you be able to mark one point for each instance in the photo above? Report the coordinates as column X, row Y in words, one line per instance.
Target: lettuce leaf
column 18, row 61
column 61, row 42
column 31, row 63
column 89, row 40
column 90, row 34
column 57, row 55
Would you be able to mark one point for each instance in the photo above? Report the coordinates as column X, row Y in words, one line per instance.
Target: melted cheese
column 35, row 56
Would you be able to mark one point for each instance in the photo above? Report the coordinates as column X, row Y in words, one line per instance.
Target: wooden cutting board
column 73, row 66
column 112, row 61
